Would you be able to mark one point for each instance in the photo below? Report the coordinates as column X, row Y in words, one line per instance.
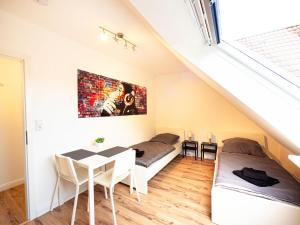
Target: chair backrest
column 65, row 168
column 123, row 165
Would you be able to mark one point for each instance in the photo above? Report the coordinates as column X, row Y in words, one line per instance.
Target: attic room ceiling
column 79, row 20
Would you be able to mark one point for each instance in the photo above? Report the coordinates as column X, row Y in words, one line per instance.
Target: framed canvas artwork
column 100, row 96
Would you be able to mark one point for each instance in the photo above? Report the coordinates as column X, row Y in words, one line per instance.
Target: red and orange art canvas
column 102, row 96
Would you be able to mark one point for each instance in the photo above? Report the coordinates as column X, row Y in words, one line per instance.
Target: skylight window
column 266, row 31
column 278, row 50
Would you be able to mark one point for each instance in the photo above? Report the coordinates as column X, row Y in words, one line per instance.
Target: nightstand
column 190, row 145
column 208, row 147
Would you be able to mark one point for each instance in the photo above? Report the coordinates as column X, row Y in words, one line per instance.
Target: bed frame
column 230, row 207
column 143, row 174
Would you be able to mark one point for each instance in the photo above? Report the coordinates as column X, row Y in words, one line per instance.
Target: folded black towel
column 256, row 177
column 139, row 153
column 255, row 174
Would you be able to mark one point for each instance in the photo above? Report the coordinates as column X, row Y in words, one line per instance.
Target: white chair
column 74, row 174
column 123, row 167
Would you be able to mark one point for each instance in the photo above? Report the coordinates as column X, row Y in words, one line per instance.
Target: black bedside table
column 208, row 147
column 190, row 145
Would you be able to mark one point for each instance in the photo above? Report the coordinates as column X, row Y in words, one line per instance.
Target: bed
column 145, row 169
column 235, row 201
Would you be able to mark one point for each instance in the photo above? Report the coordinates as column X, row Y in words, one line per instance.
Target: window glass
column 267, row 31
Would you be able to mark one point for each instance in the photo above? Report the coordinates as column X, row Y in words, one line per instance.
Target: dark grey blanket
column 288, row 190
column 153, row 151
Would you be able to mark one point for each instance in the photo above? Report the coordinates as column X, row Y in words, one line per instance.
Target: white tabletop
column 94, row 161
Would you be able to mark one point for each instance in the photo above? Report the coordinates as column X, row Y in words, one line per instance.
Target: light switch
column 39, row 125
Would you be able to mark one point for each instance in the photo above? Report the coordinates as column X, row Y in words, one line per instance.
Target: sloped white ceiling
column 79, row 20
column 271, row 108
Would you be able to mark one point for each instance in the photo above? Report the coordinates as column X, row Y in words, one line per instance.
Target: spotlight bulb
column 103, row 36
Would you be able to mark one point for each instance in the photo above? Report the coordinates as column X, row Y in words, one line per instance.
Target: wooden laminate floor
column 12, row 206
column 179, row 194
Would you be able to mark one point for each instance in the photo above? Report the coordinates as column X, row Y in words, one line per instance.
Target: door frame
column 28, row 180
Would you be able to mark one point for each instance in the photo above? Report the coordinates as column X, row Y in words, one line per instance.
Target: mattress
column 153, row 151
column 288, row 190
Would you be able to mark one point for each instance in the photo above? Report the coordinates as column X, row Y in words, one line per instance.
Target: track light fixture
column 117, row 37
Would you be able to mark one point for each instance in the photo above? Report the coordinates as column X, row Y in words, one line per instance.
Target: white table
column 91, row 163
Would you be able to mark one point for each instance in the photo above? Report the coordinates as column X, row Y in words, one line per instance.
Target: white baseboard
column 11, row 184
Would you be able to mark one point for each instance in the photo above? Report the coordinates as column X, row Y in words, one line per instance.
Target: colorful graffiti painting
column 102, row 96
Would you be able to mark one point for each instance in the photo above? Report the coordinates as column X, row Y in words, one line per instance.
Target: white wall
column 184, row 100
column 11, row 120
column 51, row 63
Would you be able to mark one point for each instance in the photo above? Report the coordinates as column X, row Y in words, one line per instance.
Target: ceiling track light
column 117, row 37
column 42, row 2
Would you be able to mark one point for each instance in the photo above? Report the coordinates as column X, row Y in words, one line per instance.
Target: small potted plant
column 99, row 141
